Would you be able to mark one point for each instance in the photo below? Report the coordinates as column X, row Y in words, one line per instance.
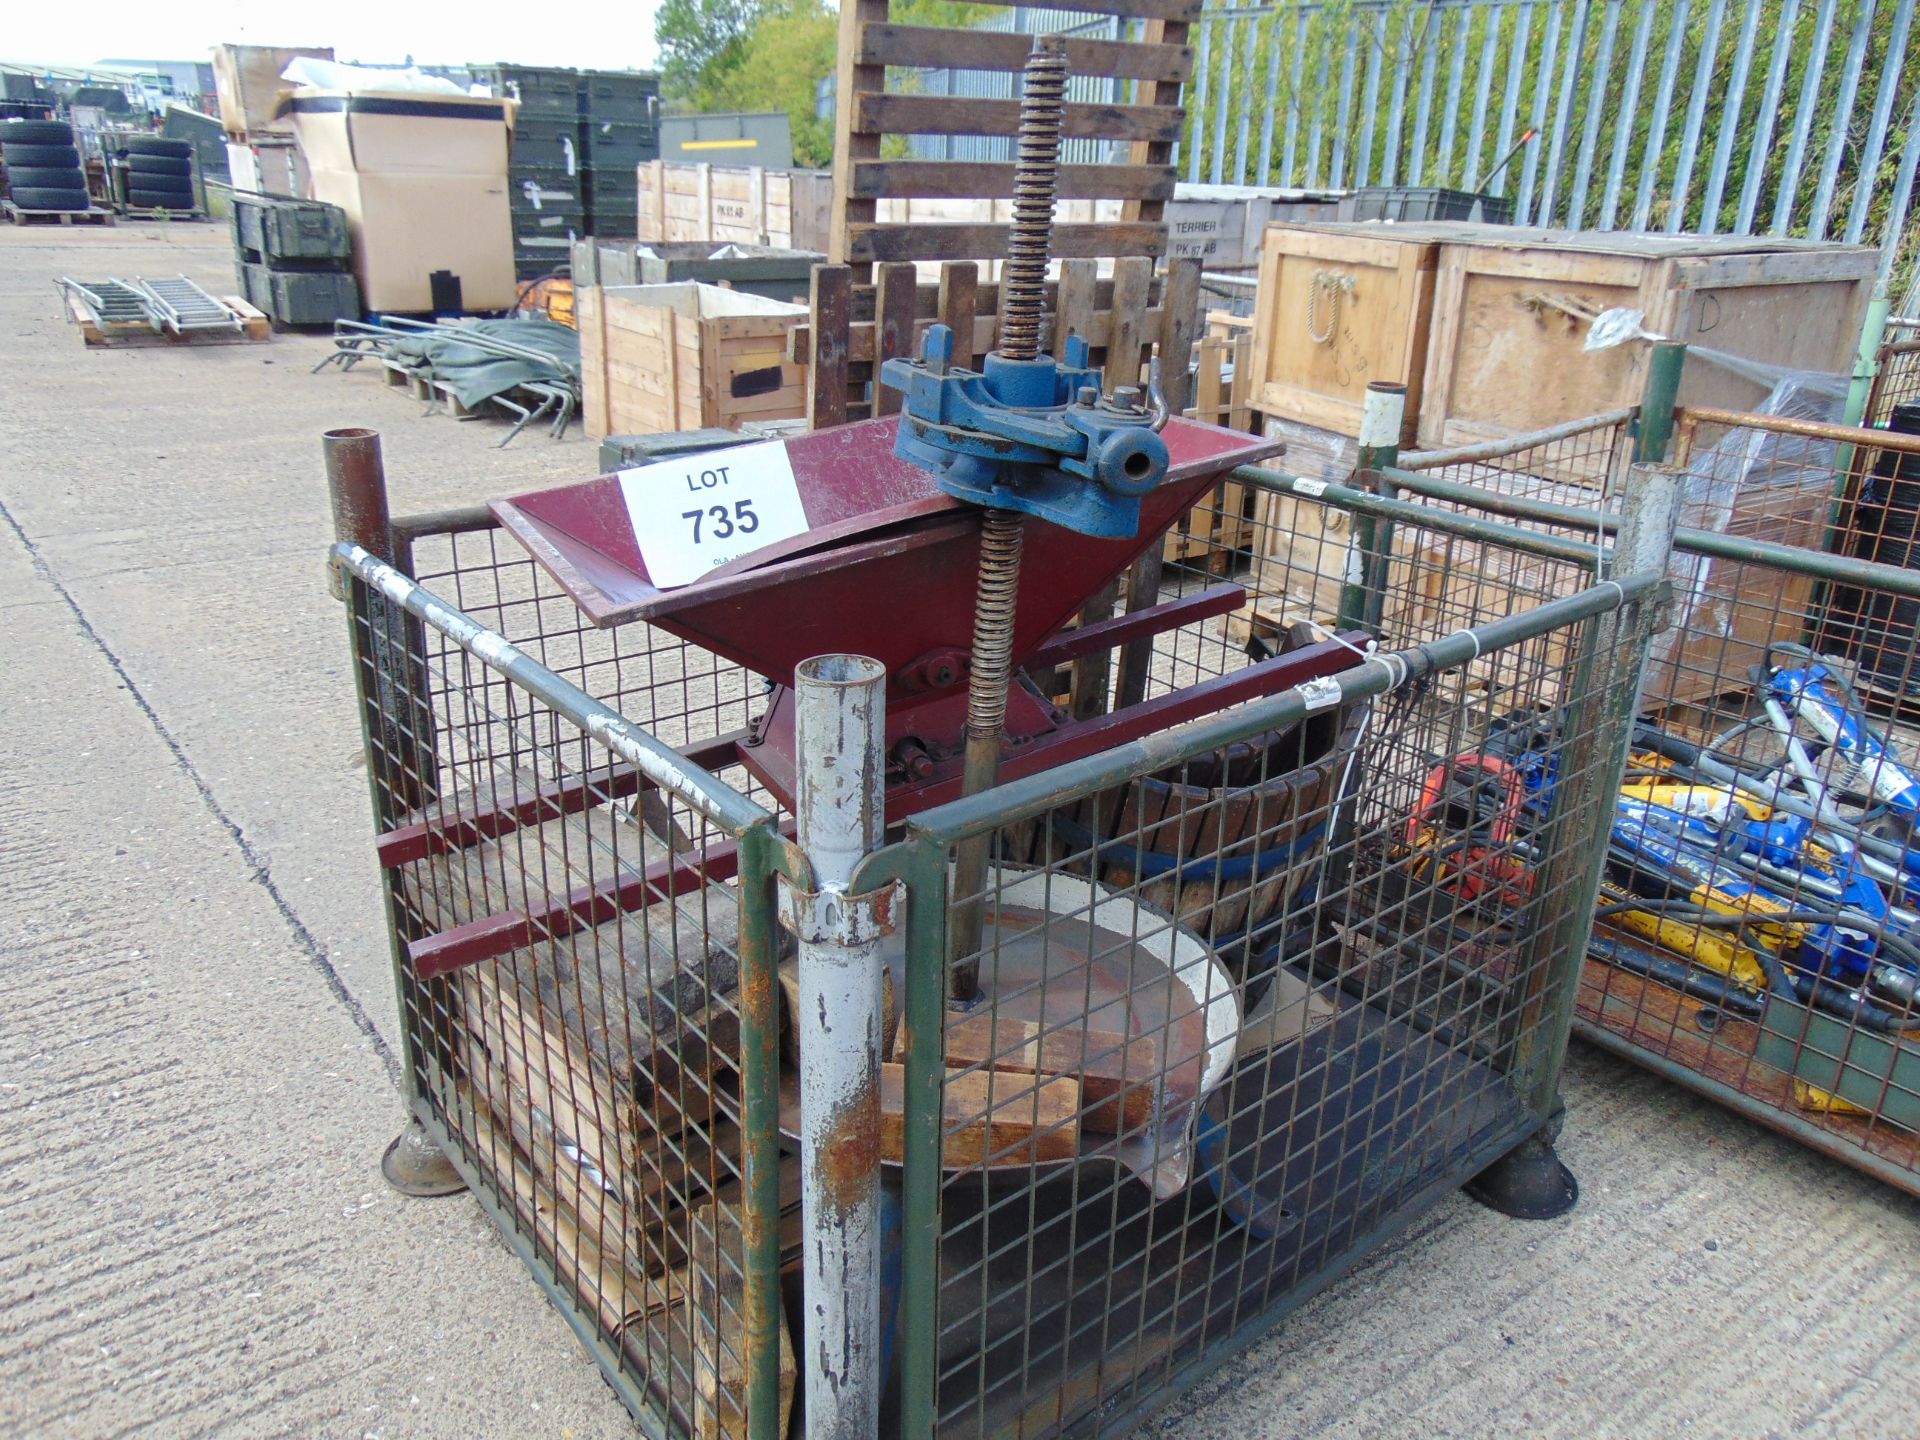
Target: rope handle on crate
column 1336, row 283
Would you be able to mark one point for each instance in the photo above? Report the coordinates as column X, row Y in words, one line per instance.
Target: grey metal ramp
column 113, row 304
column 178, row 304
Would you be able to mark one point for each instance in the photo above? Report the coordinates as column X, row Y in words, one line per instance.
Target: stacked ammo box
column 620, row 115
column 291, row 259
column 578, row 141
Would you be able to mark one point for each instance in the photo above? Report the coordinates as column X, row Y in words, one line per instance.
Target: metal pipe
column 1482, row 92
column 1494, row 449
column 1033, row 795
column 1760, row 138
column 1590, row 128
column 1850, row 68
column 1542, row 93
column 1563, row 112
column 1629, row 113
column 357, row 491
column 1729, row 118
column 1657, row 126
column 1696, row 113
column 839, row 816
column 1653, row 430
column 1890, row 72
column 1381, row 416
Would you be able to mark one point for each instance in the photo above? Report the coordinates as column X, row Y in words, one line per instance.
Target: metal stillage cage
column 1753, row 928
column 1780, row 975
column 1241, row 1005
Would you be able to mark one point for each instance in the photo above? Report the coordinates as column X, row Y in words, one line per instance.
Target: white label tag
column 1319, row 694
column 1315, row 488
column 694, row 513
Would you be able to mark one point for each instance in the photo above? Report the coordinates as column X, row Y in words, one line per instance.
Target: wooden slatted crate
column 659, row 358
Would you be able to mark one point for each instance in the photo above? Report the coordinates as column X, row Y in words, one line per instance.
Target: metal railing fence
column 1724, row 116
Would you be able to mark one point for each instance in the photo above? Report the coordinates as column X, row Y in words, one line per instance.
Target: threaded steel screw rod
column 1036, row 177
column 1023, row 282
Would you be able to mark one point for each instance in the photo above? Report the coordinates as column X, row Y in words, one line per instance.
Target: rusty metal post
column 384, row 674
column 839, row 805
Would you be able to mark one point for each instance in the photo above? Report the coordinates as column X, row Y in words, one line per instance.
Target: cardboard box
column 423, row 182
column 246, row 78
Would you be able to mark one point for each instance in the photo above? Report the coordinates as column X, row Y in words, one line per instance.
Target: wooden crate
column 741, row 205
column 660, row 358
column 1510, row 309
column 1376, row 329
column 1725, row 613
column 1301, row 565
column 1211, row 534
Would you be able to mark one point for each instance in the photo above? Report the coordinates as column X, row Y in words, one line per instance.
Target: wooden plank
column 965, row 115
column 893, row 328
column 861, row 346
column 921, row 45
column 988, row 1118
column 1240, row 396
column 854, row 138
column 1132, row 278
column 1181, row 10
column 959, row 299
column 828, row 305
column 1181, row 325
column 1073, row 309
column 980, row 242
column 1110, row 1067
column 982, row 180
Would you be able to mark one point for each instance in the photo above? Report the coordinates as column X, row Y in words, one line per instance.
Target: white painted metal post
column 840, row 731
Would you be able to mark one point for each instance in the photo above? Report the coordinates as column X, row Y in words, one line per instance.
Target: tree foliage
column 758, row 55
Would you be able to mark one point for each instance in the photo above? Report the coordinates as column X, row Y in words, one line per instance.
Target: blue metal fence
column 1778, row 117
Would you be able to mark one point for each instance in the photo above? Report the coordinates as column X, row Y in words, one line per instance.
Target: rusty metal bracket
column 832, row 916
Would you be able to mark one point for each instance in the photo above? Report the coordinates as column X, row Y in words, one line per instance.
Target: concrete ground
column 197, row 1027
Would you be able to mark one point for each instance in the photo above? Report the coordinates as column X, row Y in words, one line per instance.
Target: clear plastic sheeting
column 317, row 74
column 1760, row 484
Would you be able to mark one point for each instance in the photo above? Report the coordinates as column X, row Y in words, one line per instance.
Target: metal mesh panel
column 1246, row 1008
column 570, row 942
column 1752, row 935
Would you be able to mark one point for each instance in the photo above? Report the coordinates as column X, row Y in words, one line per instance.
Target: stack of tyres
column 43, row 166
column 158, row 173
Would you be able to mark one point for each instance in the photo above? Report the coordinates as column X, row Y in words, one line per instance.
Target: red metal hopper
column 888, row 569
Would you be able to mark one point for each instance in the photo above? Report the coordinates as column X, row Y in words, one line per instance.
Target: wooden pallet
column 55, row 217
column 135, row 212
column 257, row 327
